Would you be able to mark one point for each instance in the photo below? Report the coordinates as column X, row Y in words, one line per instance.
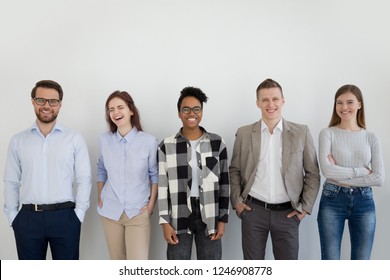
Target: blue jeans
column 339, row 204
column 206, row 249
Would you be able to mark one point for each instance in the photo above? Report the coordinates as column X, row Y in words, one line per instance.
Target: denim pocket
column 330, row 190
column 367, row 192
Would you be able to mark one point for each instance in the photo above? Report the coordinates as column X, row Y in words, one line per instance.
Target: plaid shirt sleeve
column 224, row 189
column 163, row 194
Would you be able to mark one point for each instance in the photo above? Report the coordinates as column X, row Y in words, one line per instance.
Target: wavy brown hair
column 135, row 118
column 360, row 117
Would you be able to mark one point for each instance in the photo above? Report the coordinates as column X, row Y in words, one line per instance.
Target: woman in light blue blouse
column 127, row 179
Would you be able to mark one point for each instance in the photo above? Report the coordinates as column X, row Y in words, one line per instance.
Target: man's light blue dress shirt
column 41, row 170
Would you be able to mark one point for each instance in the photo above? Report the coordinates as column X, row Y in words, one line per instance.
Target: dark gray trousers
column 258, row 223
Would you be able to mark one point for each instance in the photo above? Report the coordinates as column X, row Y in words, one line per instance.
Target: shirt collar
column 180, row 134
column 128, row 137
column 55, row 127
column 278, row 126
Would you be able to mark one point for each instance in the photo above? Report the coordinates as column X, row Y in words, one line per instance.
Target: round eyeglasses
column 187, row 110
column 42, row 101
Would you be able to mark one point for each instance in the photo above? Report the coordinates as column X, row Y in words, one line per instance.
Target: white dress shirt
column 268, row 185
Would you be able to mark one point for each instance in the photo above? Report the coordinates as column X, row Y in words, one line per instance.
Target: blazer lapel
column 286, row 145
column 256, row 142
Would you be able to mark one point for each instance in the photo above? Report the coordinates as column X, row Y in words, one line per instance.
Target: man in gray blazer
column 274, row 178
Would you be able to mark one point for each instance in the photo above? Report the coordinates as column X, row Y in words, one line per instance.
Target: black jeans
column 206, row 249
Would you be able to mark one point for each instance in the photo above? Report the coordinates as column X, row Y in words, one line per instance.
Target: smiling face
column 46, row 113
column 120, row 114
column 190, row 120
column 270, row 101
column 347, row 106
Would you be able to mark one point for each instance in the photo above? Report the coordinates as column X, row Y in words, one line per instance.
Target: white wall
column 155, row 48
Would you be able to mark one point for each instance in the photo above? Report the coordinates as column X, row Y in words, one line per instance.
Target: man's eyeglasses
column 42, row 101
column 187, row 110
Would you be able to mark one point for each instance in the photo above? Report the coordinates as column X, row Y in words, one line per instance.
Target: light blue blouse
column 127, row 166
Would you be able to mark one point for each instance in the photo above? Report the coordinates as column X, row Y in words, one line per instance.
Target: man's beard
column 46, row 119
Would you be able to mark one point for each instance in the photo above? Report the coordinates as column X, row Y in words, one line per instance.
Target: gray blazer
column 300, row 170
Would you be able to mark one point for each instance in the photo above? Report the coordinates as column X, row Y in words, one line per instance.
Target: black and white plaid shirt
column 175, row 177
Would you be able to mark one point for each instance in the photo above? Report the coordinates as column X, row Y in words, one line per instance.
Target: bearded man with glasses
column 42, row 163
